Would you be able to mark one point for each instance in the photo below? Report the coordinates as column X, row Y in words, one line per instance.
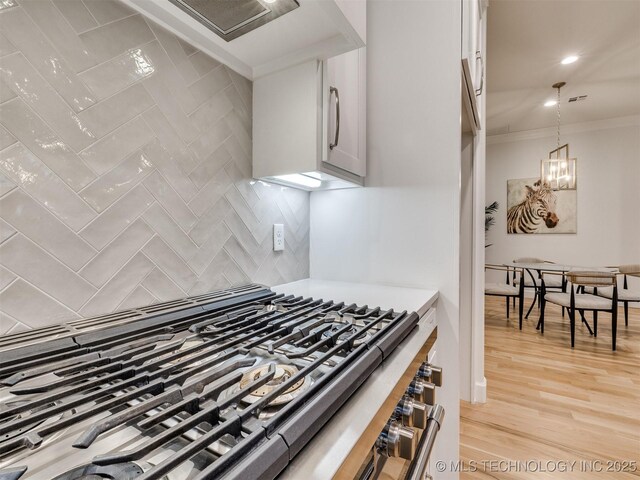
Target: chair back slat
column 530, row 260
column 631, row 270
column 592, row 279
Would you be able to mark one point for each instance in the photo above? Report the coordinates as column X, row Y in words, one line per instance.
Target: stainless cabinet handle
column 418, row 468
column 337, row 134
column 479, row 57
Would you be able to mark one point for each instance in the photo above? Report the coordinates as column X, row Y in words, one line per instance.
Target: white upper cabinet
column 309, row 124
column 473, row 60
column 313, row 29
column 345, row 92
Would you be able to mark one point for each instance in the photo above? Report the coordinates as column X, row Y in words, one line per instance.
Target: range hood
column 230, row 19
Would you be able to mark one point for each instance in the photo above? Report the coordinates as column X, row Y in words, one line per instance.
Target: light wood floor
column 547, row 402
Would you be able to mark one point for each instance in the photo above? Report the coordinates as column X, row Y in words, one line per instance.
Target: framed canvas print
column 533, row 207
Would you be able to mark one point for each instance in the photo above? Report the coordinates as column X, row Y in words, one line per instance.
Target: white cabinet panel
column 346, row 98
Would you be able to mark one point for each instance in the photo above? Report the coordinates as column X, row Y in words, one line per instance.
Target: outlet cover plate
column 278, row 237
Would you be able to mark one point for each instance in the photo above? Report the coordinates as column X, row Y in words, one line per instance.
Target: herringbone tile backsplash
column 125, row 169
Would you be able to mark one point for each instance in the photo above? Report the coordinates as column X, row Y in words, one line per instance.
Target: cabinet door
column 345, row 90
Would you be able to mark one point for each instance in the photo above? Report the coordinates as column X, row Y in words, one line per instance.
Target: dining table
column 535, row 270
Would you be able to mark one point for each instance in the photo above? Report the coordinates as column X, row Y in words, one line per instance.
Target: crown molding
column 617, row 122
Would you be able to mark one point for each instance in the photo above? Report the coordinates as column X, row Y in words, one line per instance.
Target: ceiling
column 527, row 39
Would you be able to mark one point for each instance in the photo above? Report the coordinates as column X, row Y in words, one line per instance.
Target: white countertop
column 324, row 455
column 399, row 298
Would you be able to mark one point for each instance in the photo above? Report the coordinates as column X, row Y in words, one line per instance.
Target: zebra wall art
column 532, row 207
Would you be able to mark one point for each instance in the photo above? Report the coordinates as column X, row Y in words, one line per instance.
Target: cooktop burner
column 357, row 338
column 281, row 374
column 231, row 389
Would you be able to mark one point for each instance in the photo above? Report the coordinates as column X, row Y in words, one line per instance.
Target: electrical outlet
column 278, row 237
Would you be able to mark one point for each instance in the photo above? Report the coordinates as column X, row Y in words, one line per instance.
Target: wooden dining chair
column 507, row 289
column 626, row 295
column 574, row 301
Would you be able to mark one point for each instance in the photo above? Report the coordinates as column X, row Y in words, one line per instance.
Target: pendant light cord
column 558, row 104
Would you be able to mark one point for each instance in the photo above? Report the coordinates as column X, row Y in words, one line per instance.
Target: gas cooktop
column 229, row 385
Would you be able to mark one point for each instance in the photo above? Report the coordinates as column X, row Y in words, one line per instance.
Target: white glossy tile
column 6, row 138
column 60, row 33
column 33, row 307
column 105, row 11
column 31, row 263
column 245, row 184
column 169, row 231
column 140, row 297
column 239, row 108
column 168, row 104
column 117, row 217
column 76, row 14
column 11, row 325
column 170, row 200
column 170, row 76
column 110, row 150
column 210, row 84
column 115, row 183
column 241, row 134
column 122, row 71
column 115, row 255
column 119, row 287
column 155, row 96
column 22, row 167
column 171, row 169
column 214, row 275
column 169, row 139
column 6, row 4
column 203, row 63
column 234, row 274
column 217, row 237
column 6, row 277
column 22, row 122
column 113, row 112
column 210, row 166
column 187, row 47
column 6, row 47
column 41, row 227
column 6, row 185
column 244, row 88
column 205, row 225
column 18, row 73
column 162, row 287
column 6, row 231
column 171, row 44
column 210, row 140
column 241, row 232
column 6, row 93
column 211, row 112
column 257, row 228
column 117, row 37
column 170, row 263
column 210, row 193
column 25, row 35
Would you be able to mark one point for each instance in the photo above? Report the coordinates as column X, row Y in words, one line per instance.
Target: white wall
column 608, row 193
column 403, row 228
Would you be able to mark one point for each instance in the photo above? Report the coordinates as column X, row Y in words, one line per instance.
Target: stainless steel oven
column 403, row 446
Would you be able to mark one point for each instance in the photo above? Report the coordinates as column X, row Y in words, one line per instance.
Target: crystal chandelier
column 559, row 171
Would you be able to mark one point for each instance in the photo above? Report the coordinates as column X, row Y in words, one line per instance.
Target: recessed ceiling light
column 550, row 103
column 569, row 59
column 270, row 1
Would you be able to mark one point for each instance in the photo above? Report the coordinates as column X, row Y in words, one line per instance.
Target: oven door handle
column 418, row 467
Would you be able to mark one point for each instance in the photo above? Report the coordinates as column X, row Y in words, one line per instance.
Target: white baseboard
column 480, row 391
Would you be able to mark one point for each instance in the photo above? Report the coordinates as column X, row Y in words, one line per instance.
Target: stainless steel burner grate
column 253, row 376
